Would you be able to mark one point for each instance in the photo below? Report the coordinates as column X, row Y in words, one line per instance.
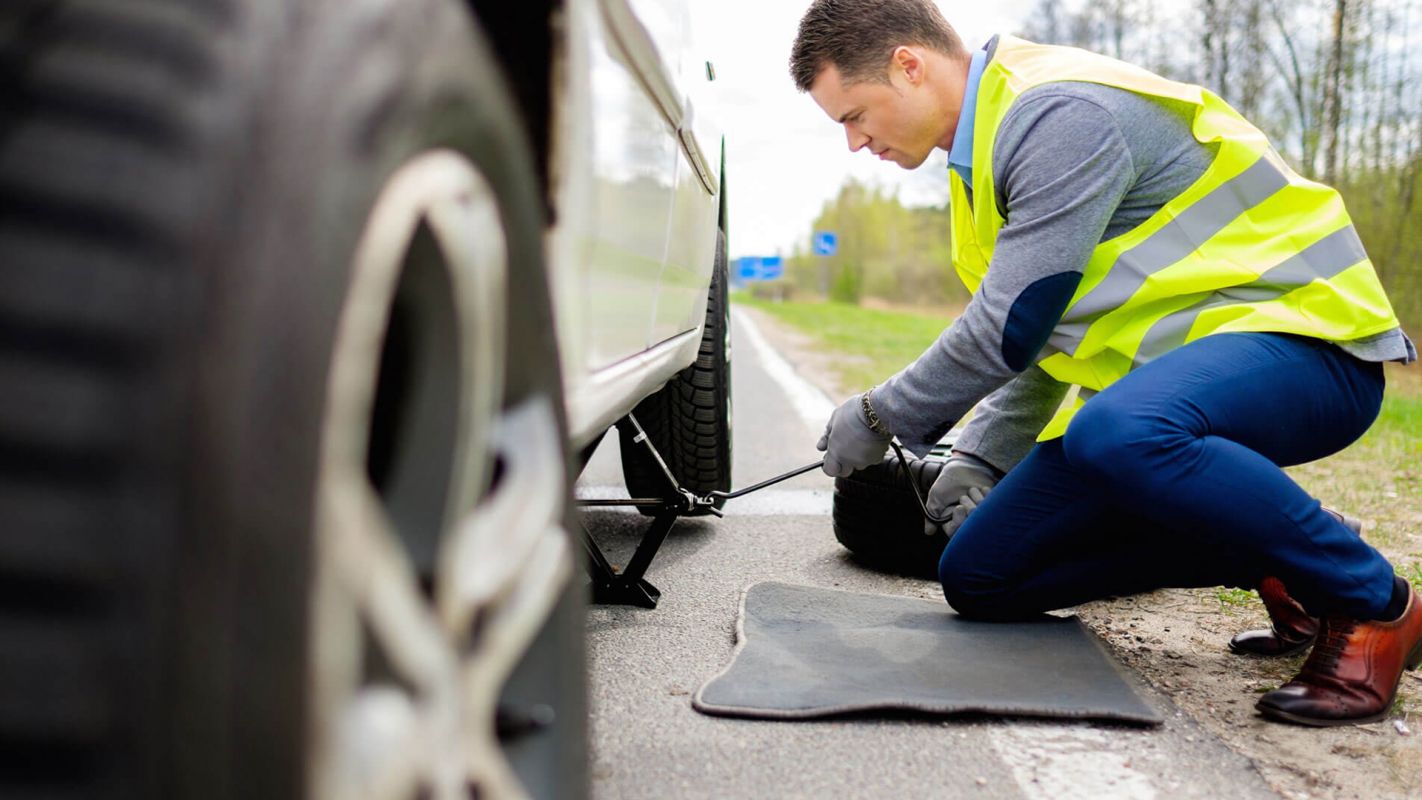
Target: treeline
column 886, row 251
column 1333, row 83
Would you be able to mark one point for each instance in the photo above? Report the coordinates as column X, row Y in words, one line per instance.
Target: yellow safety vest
column 1251, row 246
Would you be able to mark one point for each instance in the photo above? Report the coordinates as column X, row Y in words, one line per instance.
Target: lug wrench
column 903, row 470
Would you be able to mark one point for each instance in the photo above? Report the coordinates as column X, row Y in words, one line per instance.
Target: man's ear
column 910, row 62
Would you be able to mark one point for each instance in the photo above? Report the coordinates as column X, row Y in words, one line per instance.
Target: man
column 1136, row 247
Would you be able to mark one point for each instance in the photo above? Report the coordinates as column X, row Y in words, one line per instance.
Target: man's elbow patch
column 1034, row 315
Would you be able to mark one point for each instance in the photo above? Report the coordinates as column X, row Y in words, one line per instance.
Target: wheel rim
column 427, row 592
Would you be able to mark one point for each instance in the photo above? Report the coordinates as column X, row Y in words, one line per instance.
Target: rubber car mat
column 804, row 652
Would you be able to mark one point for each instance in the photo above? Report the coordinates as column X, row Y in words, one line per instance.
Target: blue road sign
column 826, row 243
column 759, row 268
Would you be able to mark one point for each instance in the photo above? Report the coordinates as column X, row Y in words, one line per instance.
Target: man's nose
column 856, row 139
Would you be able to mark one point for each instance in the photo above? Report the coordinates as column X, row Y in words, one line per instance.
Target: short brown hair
column 859, row 36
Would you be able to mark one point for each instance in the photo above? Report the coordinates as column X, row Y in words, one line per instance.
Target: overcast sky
column 785, row 158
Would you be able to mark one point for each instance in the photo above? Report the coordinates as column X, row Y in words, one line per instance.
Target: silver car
column 308, row 311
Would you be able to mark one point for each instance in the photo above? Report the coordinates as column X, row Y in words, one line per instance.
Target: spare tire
column 878, row 518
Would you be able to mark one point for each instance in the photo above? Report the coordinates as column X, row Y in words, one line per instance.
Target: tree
column 1332, row 91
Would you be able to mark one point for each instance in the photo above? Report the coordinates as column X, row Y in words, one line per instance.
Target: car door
column 634, row 163
column 678, row 77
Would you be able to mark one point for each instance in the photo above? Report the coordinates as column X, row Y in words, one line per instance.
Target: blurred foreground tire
column 283, row 470
column 689, row 419
column 878, row 519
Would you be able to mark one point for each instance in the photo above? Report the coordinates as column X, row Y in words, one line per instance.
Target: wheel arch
column 523, row 38
column 723, row 220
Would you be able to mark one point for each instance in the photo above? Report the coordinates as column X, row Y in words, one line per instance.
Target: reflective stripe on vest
column 1250, row 246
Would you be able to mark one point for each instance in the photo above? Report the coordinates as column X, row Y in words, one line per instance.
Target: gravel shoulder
column 1175, row 639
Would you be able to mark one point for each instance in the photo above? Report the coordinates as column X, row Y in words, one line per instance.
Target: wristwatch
column 874, row 424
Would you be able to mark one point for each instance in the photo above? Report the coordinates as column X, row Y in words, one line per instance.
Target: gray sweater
column 1074, row 164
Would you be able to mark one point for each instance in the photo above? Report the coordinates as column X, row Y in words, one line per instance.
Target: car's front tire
column 282, row 456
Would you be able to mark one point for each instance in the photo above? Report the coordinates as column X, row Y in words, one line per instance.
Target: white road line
column 807, row 400
column 1069, row 763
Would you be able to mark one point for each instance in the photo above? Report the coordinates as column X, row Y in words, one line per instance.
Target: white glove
column 959, row 488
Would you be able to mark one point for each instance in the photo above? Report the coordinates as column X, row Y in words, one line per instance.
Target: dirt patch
column 948, row 311
column 1176, row 639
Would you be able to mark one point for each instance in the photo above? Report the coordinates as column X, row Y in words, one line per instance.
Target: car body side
column 632, row 165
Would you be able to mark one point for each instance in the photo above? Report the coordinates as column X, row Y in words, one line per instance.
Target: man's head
column 890, row 71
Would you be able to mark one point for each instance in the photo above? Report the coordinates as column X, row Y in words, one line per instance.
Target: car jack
column 630, row 586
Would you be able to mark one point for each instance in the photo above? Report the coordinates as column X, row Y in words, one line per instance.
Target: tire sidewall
column 359, row 90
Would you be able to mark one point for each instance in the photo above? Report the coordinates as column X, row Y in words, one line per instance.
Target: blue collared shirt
column 960, row 156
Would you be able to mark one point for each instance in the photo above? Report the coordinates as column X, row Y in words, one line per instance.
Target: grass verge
column 874, row 343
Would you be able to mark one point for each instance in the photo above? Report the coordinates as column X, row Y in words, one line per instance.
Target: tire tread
column 96, row 98
column 688, row 419
column 876, row 516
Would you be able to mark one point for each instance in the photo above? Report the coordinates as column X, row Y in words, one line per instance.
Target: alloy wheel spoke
column 507, row 565
column 490, row 551
column 423, row 722
column 377, row 572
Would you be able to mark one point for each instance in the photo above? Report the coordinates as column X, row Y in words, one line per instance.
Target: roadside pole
column 826, row 245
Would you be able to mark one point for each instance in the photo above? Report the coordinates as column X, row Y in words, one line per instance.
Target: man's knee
column 1110, row 438
column 972, row 593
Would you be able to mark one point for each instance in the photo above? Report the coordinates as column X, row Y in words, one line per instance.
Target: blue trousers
column 1172, row 477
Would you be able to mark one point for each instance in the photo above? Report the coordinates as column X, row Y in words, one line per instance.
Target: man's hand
column 960, row 487
column 848, row 443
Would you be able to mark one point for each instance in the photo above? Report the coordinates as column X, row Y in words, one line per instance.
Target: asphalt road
column 647, row 741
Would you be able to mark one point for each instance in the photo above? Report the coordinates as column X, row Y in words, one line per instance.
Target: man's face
column 895, row 120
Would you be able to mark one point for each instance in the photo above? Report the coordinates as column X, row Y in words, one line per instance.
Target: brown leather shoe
column 1352, row 674
column 1292, row 629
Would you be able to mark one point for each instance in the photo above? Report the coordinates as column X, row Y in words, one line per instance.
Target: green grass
column 1235, row 598
column 1413, row 573
column 1395, row 434
column 875, row 343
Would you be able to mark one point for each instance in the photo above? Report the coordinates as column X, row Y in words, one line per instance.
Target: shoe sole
column 1316, row 722
column 1239, row 651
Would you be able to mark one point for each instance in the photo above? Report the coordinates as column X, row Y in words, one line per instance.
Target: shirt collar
column 960, row 156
